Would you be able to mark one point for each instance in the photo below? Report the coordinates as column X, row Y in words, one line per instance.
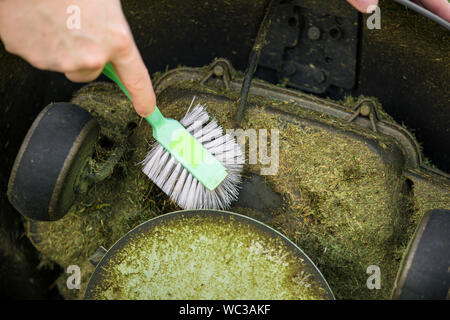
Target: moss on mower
column 110, row 208
column 430, row 192
column 344, row 206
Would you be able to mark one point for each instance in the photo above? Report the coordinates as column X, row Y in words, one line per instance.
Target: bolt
column 313, row 33
column 365, row 110
column 218, row 70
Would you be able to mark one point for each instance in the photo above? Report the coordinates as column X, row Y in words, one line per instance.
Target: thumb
column 131, row 70
column 363, row 5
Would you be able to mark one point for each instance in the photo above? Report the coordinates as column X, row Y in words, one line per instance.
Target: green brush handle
column 180, row 143
column 155, row 118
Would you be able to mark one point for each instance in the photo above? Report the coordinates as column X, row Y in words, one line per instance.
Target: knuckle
column 122, row 40
column 94, row 62
column 139, row 83
column 90, row 62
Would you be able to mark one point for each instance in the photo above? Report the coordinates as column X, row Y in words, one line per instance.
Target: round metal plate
column 203, row 254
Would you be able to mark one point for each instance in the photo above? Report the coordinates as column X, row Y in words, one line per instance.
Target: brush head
column 182, row 187
column 187, row 150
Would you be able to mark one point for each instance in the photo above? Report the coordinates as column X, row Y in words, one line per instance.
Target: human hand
column 38, row 31
column 440, row 8
column 363, row 5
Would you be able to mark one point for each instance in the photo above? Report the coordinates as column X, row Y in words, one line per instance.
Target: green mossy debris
column 430, row 192
column 210, row 257
column 342, row 204
column 110, row 208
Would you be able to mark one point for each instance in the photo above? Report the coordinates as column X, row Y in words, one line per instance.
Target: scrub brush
column 193, row 162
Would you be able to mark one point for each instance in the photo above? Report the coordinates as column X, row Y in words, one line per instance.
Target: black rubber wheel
column 425, row 271
column 43, row 180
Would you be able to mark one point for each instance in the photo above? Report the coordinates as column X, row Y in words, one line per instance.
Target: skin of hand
column 438, row 7
column 39, row 32
column 362, row 5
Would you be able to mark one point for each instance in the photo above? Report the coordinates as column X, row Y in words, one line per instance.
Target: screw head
column 365, row 110
column 313, row 33
column 218, row 70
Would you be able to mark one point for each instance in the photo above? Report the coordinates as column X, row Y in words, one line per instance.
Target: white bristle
column 179, row 184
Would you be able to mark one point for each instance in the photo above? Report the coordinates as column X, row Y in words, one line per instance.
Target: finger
column 438, row 7
column 83, row 75
column 363, row 5
column 134, row 75
column 418, row 2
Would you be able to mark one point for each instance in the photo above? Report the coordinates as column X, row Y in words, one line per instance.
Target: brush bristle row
column 168, row 174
